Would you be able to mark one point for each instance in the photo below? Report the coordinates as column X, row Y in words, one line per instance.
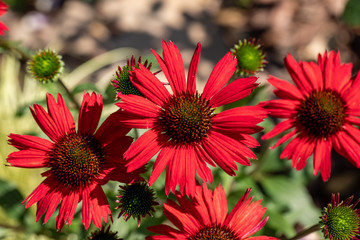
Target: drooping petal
column 68, row 206
column 90, row 113
column 166, row 154
column 39, row 192
column 86, row 208
column 99, row 206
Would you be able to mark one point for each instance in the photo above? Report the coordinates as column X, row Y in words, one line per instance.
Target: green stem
column 18, row 229
column 305, row 232
column 69, row 94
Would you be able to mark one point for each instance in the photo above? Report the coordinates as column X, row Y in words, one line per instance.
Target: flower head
column 321, row 109
column 122, row 83
column 136, row 200
column 78, row 161
column 3, row 10
column 206, row 217
column 104, row 234
column 183, row 126
column 46, row 66
column 340, row 220
column 250, row 57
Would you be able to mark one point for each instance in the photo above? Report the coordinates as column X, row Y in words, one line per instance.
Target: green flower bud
column 46, row 66
column 340, row 220
column 250, row 57
column 122, row 82
column 136, row 200
column 103, row 234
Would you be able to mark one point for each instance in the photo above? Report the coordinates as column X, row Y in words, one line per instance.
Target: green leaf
column 109, row 95
column 351, row 14
column 292, row 200
column 278, row 221
column 10, row 200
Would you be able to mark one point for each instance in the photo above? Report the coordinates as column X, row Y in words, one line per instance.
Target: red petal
column 46, row 123
column 166, row 154
column 291, row 91
column 220, row 205
column 24, row 142
column 297, row 75
column 279, row 128
column 175, row 67
column 90, row 113
column 240, row 119
column 236, row 90
column 138, row 106
column 146, row 82
column 86, row 208
column 58, row 113
column 143, row 149
column 28, row 159
column 220, row 75
column 191, row 82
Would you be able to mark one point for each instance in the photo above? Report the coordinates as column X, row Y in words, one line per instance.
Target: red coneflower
column 79, row 161
column 206, row 217
column 3, row 10
column 321, row 111
column 183, row 125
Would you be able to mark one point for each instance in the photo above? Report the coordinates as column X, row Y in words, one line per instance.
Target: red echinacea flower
column 3, row 10
column 183, row 125
column 206, row 217
column 321, row 110
column 79, row 161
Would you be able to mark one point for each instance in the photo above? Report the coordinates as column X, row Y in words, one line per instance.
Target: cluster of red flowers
column 188, row 134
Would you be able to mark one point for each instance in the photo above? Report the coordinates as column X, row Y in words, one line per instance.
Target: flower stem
column 305, row 232
column 71, row 96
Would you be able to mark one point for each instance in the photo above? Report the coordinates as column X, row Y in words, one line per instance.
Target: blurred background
column 94, row 37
